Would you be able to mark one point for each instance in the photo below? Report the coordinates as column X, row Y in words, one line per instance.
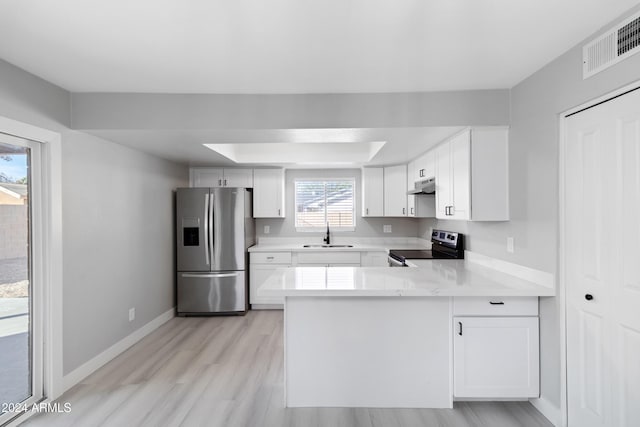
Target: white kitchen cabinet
column 395, row 199
column 372, row 192
column 424, row 166
column 238, row 178
column 268, row 193
column 471, row 171
column 221, row 177
column 495, row 357
column 261, row 266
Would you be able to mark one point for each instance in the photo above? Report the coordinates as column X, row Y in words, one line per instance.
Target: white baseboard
column 548, row 409
column 83, row 371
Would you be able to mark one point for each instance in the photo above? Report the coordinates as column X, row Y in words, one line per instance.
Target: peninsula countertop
column 442, row 278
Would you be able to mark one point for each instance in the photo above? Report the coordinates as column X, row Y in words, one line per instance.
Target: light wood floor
column 228, row 371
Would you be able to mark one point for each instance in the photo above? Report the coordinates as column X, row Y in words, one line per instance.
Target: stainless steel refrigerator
column 214, row 229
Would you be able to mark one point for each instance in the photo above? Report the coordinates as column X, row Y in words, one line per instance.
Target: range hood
column 426, row 186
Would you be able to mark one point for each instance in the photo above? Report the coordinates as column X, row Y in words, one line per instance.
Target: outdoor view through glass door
column 20, row 335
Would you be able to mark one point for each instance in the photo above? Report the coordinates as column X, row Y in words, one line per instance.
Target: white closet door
column 602, row 264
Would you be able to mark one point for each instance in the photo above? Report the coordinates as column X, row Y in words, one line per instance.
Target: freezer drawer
column 210, row 293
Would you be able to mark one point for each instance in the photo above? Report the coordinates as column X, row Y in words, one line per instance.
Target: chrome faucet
column 327, row 239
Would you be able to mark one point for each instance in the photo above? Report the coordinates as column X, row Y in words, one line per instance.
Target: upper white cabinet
column 220, row 177
column 238, row 178
column 424, row 166
column 471, row 171
column 268, row 193
column 372, row 192
column 395, row 199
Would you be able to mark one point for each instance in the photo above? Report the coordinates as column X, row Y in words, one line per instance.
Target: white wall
column 365, row 227
column 117, row 223
column 118, row 242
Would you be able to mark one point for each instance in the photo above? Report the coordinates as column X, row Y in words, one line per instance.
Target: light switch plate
column 132, row 314
column 386, row 228
column 267, row 229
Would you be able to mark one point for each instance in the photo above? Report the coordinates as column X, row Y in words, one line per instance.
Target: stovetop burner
column 444, row 245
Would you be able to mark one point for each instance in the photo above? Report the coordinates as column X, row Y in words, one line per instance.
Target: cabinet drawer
column 271, row 257
column 329, row 258
column 495, row 306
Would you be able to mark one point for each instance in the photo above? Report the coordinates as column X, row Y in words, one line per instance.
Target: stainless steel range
column 444, row 245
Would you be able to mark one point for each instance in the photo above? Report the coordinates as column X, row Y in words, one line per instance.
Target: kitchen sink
column 327, row 246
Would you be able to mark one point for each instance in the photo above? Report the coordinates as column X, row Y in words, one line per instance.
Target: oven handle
column 395, row 263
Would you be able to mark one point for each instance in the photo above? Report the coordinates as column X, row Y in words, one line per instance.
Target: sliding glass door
column 20, row 276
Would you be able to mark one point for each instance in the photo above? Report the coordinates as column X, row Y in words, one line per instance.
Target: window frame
column 333, row 228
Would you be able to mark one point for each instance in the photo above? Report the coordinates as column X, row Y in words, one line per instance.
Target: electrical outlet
column 510, row 247
column 386, row 228
column 132, row 314
column 267, row 229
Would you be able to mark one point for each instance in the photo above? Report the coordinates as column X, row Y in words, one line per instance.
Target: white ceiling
column 186, row 146
column 293, row 46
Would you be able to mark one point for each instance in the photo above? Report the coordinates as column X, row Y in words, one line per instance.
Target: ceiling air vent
column 618, row 43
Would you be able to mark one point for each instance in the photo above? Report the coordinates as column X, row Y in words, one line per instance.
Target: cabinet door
column 395, row 200
column 429, row 164
column 268, row 193
column 411, row 168
column 206, row 177
column 443, row 180
column 258, row 274
column 372, row 192
column 495, row 357
column 411, row 199
column 238, row 178
column 460, row 151
column 411, row 205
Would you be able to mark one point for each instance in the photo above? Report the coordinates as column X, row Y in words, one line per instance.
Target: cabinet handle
column 225, row 182
column 411, row 211
column 496, row 302
column 219, row 183
column 278, row 212
column 460, row 328
column 269, row 257
column 367, row 211
column 403, row 211
column 588, row 297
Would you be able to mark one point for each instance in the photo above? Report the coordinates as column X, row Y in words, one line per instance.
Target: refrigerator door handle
column 206, row 228
column 208, row 276
column 211, row 227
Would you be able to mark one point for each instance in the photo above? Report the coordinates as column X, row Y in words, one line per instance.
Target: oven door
column 395, row 263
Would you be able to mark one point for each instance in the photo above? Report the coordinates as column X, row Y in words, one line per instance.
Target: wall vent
column 617, row 44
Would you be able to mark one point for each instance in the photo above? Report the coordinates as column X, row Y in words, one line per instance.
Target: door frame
column 51, row 249
column 562, row 291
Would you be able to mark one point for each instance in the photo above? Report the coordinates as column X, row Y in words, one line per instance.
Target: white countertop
column 432, row 278
column 358, row 245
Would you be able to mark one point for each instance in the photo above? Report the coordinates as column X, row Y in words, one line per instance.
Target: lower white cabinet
column 496, row 357
column 262, row 265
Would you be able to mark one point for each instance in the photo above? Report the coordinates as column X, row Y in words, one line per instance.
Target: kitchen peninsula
column 385, row 337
